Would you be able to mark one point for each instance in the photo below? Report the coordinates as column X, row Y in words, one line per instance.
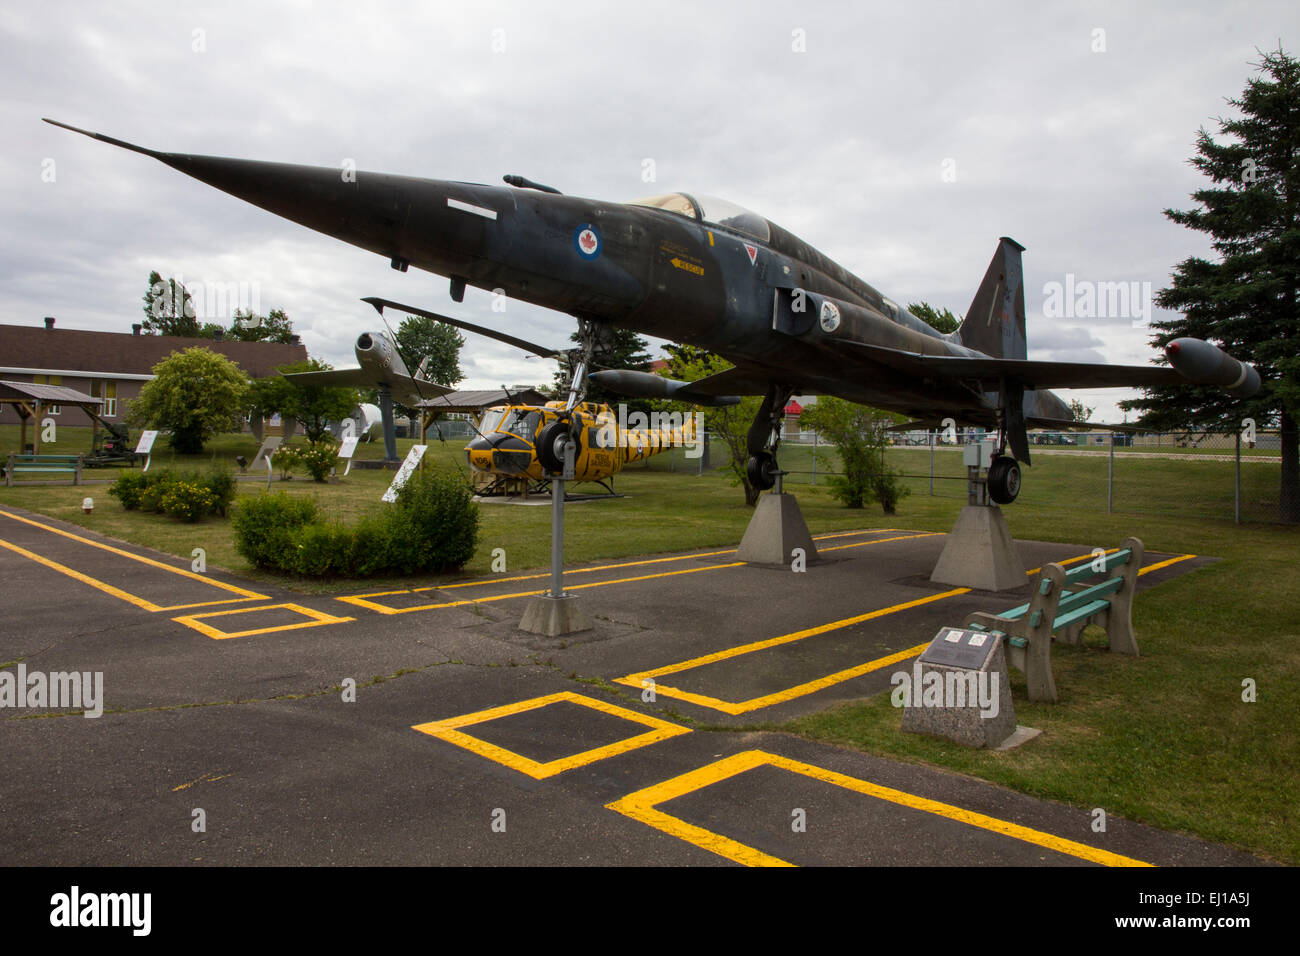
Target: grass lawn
column 1164, row 739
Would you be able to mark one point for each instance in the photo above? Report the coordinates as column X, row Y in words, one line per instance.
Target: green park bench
column 43, row 464
column 1064, row 602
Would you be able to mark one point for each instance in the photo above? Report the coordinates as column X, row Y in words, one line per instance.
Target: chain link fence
column 1205, row 474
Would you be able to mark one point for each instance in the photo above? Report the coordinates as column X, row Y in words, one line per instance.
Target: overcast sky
column 901, row 139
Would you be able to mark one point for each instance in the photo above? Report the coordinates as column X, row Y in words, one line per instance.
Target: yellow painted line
column 315, row 619
column 84, row 578
column 642, row 804
column 361, row 600
column 1166, row 563
column 740, row 707
column 234, row 589
column 800, row 690
column 859, row 544
column 449, row 730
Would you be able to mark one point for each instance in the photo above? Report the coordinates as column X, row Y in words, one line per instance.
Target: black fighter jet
column 706, row 272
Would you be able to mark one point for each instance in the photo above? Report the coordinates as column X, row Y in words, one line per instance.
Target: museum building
column 114, row 366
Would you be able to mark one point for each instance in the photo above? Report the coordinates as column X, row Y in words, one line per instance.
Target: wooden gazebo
column 30, row 400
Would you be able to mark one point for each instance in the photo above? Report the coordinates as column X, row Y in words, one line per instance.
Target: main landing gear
column 764, row 436
column 1004, row 471
column 1004, row 479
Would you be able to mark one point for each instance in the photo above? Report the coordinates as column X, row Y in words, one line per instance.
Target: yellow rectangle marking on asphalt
column 642, row 805
column 232, row 588
column 741, row 707
column 84, row 578
column 449, row 730
column 315, row 619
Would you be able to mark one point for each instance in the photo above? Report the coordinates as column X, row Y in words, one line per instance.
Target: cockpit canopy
column 710, row 210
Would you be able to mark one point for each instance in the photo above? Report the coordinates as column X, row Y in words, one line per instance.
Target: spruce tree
column 1246, row 300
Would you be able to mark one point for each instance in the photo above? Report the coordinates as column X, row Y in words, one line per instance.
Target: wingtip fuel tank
column 1206, row 364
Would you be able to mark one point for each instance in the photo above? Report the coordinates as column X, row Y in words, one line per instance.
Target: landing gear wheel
column 1004, row 480
column 550, row 446
column 762, row 470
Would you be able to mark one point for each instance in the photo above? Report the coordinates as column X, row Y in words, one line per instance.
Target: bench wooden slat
column 1073, row 599
column 1088, row 570
column 1079, row 613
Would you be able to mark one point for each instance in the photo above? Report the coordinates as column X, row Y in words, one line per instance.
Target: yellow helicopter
column 525, row 442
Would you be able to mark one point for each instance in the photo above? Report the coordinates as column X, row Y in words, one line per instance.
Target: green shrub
column 432, row 527
column 324, row 549
column 128, row 488
column 318, row 458
column 156, row 485
column 372, row 539
column 223, row 485
column 286, row 458
column 435, row 523
column 186, row 500
column 266, row 528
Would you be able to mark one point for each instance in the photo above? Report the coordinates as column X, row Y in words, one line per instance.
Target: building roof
column 37, row 350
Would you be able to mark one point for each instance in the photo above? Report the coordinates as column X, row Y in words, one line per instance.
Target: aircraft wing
column 405, row 389
column 355, row 377
column 1030, row 373
column 733, row 381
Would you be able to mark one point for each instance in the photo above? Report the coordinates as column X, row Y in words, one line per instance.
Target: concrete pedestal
column 554, row 617
column 776, row 529
column 979, row 552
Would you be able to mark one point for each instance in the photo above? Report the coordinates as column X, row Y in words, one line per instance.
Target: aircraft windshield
column 522, row 423
column 710, row 209
column 491, row 419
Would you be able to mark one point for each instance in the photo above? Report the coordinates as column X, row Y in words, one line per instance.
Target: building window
column 107, row 390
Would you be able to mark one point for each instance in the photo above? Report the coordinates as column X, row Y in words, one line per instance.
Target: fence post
column 932, row 434
column 814, row 467
column 1236, row 485
column 1110, row 477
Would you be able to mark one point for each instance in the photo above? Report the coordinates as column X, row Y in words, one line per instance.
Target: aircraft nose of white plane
column 364, row 342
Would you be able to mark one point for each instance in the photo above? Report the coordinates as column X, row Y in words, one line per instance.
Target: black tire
column 550, row 446
column 1004, row 480
column 762, row 470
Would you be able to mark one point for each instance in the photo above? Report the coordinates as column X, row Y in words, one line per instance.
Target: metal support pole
column 814, row 467
column 1110, row 477
column 557, row 537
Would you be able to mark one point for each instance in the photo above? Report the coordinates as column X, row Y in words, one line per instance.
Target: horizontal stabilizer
column 381, row 304
column 989, row 372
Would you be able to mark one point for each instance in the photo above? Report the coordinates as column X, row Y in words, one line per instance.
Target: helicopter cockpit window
column 491, row 419
column 728, row 215
column 522, row 423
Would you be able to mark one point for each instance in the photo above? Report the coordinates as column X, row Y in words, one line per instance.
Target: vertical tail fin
column 995, row 322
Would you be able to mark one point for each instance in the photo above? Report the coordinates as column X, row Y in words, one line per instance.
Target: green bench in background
column 43, row 464
column 1099, row 592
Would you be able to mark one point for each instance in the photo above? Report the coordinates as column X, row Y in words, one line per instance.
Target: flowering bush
column 187, row 501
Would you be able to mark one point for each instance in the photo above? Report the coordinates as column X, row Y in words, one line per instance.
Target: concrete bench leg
column 1119, row 619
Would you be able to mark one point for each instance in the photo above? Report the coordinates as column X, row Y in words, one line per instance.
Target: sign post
column 146, row 448
column 346, row 451
column 404, row 473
